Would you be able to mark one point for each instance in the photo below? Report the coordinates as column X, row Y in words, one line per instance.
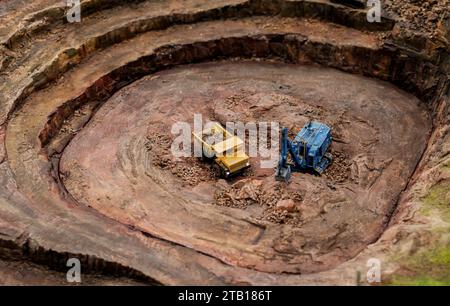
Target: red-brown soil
column 85, row 165
column 109, row 167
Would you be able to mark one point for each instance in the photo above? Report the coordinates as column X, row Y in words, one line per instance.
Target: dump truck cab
column 225, row 149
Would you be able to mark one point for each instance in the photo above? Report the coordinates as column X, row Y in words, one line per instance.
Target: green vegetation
column 438, row 199
column 420, row 281
column 429, row 268
column 447, row 166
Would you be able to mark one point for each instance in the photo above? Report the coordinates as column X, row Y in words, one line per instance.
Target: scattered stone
column 421, row 16
column 339, row 170
column 286, row 205
column 191, row 170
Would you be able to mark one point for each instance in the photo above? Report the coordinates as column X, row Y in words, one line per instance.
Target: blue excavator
column 308, row 151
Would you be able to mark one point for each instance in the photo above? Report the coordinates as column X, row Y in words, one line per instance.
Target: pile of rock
column 420, row 15
column 339, row 170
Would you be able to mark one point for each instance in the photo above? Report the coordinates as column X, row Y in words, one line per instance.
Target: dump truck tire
column 217, row 170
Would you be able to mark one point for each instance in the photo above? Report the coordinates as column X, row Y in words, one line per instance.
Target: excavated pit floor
column 120, row 163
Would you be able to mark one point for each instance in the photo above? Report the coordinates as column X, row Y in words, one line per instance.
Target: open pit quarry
column 86, row 169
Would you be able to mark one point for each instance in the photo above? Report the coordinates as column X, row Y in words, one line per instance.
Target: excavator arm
column 283, row 171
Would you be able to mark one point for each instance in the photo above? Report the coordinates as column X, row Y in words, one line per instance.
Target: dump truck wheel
column 217, row 170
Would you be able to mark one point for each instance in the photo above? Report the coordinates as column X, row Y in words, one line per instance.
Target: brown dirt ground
column 122, row 166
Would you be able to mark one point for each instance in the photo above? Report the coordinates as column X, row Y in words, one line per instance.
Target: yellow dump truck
column 226, row 150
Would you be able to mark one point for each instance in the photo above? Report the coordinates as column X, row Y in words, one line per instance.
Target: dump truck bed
column 227, row 145
column 229, row 154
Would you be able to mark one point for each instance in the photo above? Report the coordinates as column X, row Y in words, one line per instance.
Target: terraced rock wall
column 56, row 77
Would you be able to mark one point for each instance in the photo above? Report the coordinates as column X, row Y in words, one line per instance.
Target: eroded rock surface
column 108, row 166
column 69, row 189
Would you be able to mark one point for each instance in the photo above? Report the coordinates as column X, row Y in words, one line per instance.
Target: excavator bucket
column 283, row 174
